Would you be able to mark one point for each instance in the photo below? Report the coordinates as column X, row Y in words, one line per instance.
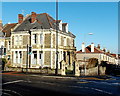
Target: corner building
column 39, row 31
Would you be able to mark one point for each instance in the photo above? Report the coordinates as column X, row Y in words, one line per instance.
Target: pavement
column 20, row 84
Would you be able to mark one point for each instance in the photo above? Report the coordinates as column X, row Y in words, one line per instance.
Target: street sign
column 30, row 50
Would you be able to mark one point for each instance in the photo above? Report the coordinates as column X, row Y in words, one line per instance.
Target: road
column 15, row 84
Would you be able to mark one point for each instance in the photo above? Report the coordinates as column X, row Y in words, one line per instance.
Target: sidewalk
column 105, row 77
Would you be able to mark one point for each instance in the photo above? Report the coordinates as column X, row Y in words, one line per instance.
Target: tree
column 4, row 61
column 92, row 62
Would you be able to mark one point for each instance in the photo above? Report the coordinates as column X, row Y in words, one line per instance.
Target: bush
column 92, row 62
column 103, row 63
column 4, row 61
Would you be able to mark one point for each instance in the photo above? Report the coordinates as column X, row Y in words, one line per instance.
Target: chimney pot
column 104, row 50
column 20, row 18
column 83, row 47
column 92, row 47
column 98, row 46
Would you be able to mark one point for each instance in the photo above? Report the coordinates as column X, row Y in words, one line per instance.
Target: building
column 39, row 31
column 92, row 51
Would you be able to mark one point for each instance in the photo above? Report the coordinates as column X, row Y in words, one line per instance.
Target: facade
column 39, row 31
column 95, row 52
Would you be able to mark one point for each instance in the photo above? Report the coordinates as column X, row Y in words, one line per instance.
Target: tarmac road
column 40, row 85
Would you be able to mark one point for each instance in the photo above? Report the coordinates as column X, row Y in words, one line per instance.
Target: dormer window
column 65, row 27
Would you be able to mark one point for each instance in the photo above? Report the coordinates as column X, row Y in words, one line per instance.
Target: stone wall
column 47, row 41
column 94, row 71
column 32, row 70
column 47, row 58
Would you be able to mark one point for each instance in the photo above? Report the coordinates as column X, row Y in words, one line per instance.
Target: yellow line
column 82, row 82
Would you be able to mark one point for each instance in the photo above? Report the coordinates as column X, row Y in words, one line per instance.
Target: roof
column 88, row 50
column 43, row 21
column 1, row 34
column 7, row 29
column 97, row 50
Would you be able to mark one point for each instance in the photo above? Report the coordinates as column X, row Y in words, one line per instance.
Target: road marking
column 12, row 82
column 6, row 90
column 47, row 83
column 99, row 90
column 3, row 93
column 82, row 82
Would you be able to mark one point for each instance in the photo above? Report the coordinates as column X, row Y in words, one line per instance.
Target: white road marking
column 99, row 90
column 6, row 90
column 6, row 94
column 12, row 82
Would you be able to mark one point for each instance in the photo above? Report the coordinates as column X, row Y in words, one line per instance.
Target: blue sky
column 99, row 18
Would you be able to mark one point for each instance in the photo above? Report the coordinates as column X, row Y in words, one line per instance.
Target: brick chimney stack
column 98, row 46
column 1, row 25
column 33, row 17
column 20, row 18
column 104, row 50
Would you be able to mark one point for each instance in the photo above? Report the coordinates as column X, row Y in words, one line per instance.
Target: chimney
column 92, row 47
column 1, row 25
column 104, row 50
column 20, row 18
column 33, row 17
column 83, row 47
column 98, row 46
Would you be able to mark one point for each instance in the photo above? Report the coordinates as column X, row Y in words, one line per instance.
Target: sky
column 99, row 18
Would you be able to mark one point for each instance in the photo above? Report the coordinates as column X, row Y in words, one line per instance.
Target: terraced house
column 39, row 31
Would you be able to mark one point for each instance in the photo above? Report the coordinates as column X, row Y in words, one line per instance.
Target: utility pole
column 56, row 70
column 30, row 46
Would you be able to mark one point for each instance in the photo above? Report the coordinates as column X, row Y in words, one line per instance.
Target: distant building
column 39, row 31
column 95, row 52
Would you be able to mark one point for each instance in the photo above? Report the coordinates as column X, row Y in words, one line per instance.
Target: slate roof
column 7, row 29
column 43, row 21
column 1, row 34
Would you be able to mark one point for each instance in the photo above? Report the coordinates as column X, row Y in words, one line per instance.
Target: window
column 34, row 60
column 35, row 54
column 9, row 43
column 17, row 40
column 16, row 54
column 34, row 38
column 20, row 40
column 64, row 41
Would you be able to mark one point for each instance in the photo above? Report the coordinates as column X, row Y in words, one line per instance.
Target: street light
column 85, row 52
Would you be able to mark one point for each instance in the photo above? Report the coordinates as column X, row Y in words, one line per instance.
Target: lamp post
column 85, row 53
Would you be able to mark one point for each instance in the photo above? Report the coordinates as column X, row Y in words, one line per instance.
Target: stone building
column 39, row 31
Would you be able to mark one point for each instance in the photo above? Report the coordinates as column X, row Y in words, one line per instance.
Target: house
column 39, row 32
column 92, row 51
